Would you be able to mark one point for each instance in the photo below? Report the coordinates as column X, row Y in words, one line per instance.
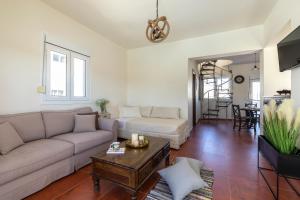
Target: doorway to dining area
column 230, row 88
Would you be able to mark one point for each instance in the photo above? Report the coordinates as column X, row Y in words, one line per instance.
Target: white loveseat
column 161, row 122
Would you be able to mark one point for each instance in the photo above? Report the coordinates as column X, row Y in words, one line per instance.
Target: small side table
column 105, row 115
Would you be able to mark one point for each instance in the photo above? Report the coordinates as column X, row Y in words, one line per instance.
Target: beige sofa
column 164, row 122
column 51, row 151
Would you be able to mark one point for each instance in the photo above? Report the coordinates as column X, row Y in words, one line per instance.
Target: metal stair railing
column 209, row 71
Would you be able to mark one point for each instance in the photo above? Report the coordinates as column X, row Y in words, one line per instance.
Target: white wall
column 284, row 17
column 241, row 91
column 274, row 80
column 158, row 75
column 22, row 26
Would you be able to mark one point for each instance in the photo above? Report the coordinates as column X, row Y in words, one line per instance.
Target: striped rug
column 162, row 192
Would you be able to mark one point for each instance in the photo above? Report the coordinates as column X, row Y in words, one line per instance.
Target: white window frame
column 87, row 82
column 70, row 55
column 251, row 92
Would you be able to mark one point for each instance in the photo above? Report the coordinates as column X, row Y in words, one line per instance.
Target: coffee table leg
column 96, row 181
column 133, row 196
column 168, row 160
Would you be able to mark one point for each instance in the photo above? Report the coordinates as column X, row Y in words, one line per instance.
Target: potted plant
column 102, row 103
column 281, row 132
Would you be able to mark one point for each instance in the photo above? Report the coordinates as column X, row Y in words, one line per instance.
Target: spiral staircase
column 220, row 97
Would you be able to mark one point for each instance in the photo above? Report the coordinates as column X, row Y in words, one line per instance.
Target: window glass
column 58, row 74
column 224, row 87
column 79, row 80
column 256, row 92
column 208, row 88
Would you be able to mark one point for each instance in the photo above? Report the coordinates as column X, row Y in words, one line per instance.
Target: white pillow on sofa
column 130, row 112
column 146, row 111
column 165, row 112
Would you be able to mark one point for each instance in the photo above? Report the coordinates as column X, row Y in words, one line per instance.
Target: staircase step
column 209, row 77
column 210, row 114
column 225, row 92
column 223, row 106
column 220, row 102
column 207, row 70
column 213, row 110
column 206, row 73
column 208, row 64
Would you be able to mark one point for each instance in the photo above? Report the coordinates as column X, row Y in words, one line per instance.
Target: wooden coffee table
column 132, row 169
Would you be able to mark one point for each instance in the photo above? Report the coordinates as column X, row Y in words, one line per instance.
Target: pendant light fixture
column 158, row 29
column 255, row 66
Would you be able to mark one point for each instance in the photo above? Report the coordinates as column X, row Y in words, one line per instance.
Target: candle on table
column 135, row 139
column 141, row 138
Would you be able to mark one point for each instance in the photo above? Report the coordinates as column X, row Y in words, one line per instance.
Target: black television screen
column 289, row 51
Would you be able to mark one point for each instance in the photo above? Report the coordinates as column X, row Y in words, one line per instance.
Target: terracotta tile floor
column 230, row 154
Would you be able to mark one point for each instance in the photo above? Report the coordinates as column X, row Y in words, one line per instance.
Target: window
column 208, row 88
column 224, row 87
column 255, row 92
column 66, row 75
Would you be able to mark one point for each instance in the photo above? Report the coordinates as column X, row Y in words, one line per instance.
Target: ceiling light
column 255, row 67
column 158, row 29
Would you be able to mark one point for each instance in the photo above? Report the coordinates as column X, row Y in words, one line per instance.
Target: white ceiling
column 124, row 21
column 243, row 59
column 246, row 58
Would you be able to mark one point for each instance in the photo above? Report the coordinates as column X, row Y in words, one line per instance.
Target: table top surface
column 250, row 108
column 133, row 158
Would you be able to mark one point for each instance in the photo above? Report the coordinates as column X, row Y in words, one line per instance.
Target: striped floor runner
column 162, row 192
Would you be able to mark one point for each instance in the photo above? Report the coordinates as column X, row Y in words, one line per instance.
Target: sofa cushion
column 156, row 125
column 58, row 122
column 9, row 138
column 85, row 141
column 146, row 111
column 33, row 156
column 28, row 125
column 83, row 110
column 130, row 112
column 96, row 118
column 165, row 112
column 85, row 123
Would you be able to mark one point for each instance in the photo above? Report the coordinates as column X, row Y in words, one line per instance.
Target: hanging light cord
column 156, row 8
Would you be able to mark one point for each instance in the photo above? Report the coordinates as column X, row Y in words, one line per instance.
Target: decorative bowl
column 140, row 146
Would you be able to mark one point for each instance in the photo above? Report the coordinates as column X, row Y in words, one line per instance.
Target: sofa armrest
column 109, row 125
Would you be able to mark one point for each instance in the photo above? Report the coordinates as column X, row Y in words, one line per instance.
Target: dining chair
column 240, row 121
column 257, row 113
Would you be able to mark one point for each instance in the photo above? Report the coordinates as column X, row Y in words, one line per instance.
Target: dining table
column 253, row 113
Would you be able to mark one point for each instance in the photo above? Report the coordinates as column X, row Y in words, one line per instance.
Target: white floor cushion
column 181, row 179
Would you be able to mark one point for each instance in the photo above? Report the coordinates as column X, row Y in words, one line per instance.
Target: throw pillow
column 9, row 138
column 196, row 165
column 84, row 123
column 165, row 113
column 96, row 118
column 181, row 179
column 146, row 111
column 130, row 112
